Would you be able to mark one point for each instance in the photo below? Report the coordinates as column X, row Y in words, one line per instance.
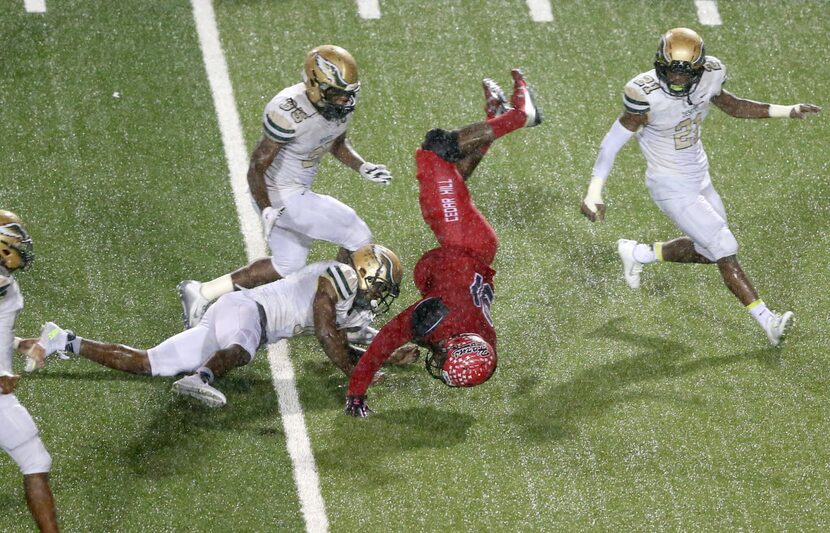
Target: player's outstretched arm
column 394, row 334
column 744, row 108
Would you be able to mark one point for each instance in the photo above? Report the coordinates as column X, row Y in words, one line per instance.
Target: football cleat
column 631, row 267
column 194, row 387
column 52, row 339
column 778, row 326
column 194, row 304
column 523, row 100
column 495, row 102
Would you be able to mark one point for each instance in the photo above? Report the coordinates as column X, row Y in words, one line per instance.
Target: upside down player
column 452, row 319
column 18, row 432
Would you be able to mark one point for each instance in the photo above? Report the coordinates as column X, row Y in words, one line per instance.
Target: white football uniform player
column 677, row 173
column 268, row 313
column 18, row 433
column 292, row 120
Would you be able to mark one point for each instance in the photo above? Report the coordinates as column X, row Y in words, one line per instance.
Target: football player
column 301, row 124
column 18, row 432
column 335, row 301
column 664, row 109
column 452, row 319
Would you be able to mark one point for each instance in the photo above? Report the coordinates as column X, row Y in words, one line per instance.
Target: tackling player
column 335, row 301
column 452, row 319
column 18, row 432
column 301, row 124
column 664, row 109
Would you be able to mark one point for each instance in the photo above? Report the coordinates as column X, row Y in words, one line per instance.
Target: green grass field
column 658, row 410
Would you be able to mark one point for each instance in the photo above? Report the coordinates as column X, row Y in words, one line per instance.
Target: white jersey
column 291, row 119
column 288, row 303
column 11, row 302
column 670, row 141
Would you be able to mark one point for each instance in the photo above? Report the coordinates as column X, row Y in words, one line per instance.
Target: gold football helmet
column 379, row 275
column 331, row 83
column 15, row 244
column 680, row 54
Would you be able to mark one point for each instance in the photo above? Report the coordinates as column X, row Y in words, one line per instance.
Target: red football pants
column 449, row 210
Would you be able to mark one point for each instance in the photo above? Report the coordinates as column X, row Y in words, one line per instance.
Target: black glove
column 356, row 406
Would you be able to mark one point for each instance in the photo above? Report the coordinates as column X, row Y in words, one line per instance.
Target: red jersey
column 463, row 282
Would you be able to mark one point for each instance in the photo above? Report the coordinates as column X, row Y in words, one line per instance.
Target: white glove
column 269, row 218
column 376, row 173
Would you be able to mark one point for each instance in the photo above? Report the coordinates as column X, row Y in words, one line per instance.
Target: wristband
column 781, row 111
column 595, row 190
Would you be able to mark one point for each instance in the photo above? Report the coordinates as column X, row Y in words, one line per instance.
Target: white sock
column 644, row 254
column 217, row 287
column 758, row 309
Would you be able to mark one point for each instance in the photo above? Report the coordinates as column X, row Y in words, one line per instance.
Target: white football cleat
column 523, row 100
column 495, row 102
column 52, row 339
column 777, row 327
column 631, row 267
column 194, row 304
column 194, row 387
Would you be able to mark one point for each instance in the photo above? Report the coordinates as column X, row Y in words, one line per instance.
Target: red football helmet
column 469, row 361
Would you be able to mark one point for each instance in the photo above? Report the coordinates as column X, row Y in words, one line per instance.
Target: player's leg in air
column 447, row 158
column 704, row 221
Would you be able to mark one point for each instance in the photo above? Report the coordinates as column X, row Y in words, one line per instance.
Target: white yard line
column 368, row 9
column 707, row 12
column 299, row 446
column 35, row 6
column 540, row 10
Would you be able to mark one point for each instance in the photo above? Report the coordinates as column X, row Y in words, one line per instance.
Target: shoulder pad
column 344, row 279
column 715, row 66
column 636, row 91
column 278, row 125
column 427, row 315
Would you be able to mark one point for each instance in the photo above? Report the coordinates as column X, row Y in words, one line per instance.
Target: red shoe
column 523, row 100
column 495, row 102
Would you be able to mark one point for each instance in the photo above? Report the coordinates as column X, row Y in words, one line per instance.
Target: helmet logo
column 332, row 72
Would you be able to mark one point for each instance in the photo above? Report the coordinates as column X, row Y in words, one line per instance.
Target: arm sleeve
column 395, row 333
column 615, row 139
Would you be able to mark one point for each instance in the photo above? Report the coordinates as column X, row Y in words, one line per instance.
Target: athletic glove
column 356, row 406
column 376, row 173
column 269, row 218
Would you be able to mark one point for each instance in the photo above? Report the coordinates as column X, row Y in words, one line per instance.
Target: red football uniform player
column 455, row 280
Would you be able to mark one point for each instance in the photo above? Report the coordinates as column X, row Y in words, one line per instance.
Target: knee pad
column 443, row 143
column 31, row 457
column 724, row 244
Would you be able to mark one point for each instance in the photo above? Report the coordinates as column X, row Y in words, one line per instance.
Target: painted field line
column 299, row 446
column 368, row 9
column 35, row 6
column 540, row 10
column 707, row 12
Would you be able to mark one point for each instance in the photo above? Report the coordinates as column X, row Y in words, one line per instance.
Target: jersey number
column 647, row 84
column 687, row 132
column 296, row 113
column 483, row 295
